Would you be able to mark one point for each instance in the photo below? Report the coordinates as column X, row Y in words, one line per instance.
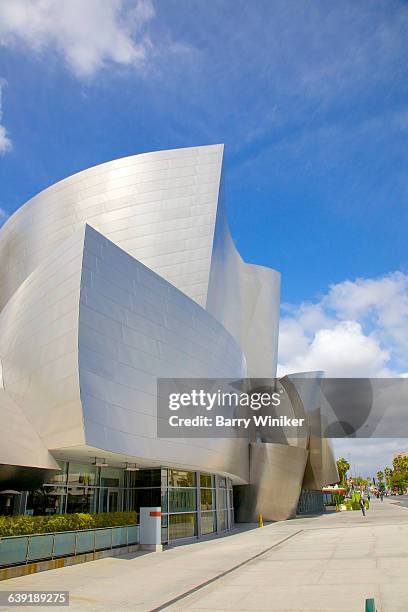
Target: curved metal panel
column 20, row 444
column 284, row 463
column 276, row 475
column 321, row 468
column 135, row 327
column 38, row 345
column 82, row 351
column 245, row 299
column 160, row 207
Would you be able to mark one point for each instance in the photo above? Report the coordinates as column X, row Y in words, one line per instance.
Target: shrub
column 26, row 525
column 355, row 498
column 337, row 499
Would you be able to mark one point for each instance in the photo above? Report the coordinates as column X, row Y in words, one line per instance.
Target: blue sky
column 311, row 101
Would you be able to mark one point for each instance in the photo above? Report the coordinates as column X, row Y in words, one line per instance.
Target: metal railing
column 23, row 549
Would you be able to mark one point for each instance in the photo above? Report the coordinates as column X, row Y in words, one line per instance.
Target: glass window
column 222, row 498
column 164, row 530
column 129, row 502
column 48, row 500
column 164, row 500
column 61, row 476
column 114, row 501
column 222, row 520
column 206, row 481
column 82, row 499
column 146, row 498
column 82, row 474
column 148, row 478
column 207, row 522
column 180, row 478
column 207, row 499
column 182, row 525
column 134, row 498
column 222, row 482
column 10, row 504
column 111, row 477
column 128, row 479
column 182, row 500
column 144, row 478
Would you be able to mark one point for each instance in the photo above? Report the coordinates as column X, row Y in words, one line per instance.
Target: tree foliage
column 342, row 467
column 399, row 475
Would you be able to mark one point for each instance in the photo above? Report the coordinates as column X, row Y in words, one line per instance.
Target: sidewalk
column 330, row 562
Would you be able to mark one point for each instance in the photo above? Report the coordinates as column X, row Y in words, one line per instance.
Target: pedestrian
column 382, row 495
column 368, row 497
column 362, row 503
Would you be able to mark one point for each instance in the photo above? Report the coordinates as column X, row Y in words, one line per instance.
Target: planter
column 24, row 549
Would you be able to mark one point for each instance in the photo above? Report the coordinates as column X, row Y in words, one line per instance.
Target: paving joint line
column 222, row 574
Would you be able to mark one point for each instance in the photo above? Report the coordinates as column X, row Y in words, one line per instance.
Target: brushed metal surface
column 160, row 207
column 321, row 468
column 123, row 273
column 300, row 459
column 245, row 298
column 276, row 474
column 133, row 328
column 20, row 444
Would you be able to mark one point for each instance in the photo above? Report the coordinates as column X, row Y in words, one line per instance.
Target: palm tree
column 342, row 467
column 388, row 474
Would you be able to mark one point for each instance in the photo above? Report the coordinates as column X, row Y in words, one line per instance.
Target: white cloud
column 88, row 34
column 380, row 304
column 358, row 328
column 5, row 142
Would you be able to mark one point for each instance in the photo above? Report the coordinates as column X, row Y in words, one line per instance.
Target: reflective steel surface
column 160, row 207
column 124, row 273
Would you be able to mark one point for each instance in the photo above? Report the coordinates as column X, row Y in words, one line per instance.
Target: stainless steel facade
column 116, row 276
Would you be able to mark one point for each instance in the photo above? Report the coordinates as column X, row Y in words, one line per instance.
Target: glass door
column 109, row 500
column 113, row 500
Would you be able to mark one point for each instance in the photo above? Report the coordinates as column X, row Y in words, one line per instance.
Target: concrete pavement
column 402, row 500
column 330, row 562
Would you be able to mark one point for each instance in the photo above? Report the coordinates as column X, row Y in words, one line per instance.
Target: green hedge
column 25, row 525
